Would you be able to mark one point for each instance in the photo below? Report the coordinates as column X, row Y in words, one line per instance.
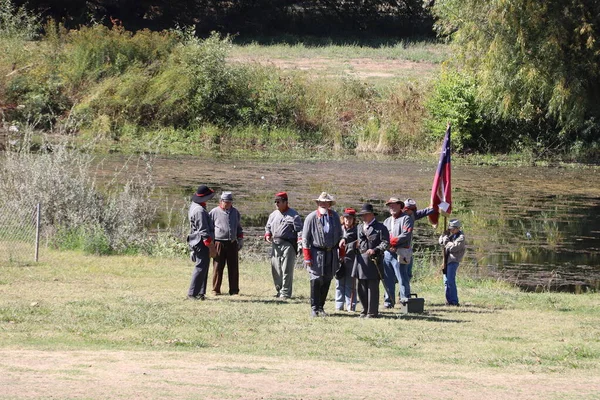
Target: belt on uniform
column 225, row 241
column 324, row 248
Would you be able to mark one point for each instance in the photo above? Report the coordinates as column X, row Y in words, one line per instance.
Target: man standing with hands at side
column 229, row 239
column 200, row 241
column 321, row 235
column 281, row 231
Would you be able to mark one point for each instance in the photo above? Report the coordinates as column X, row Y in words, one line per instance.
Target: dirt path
column 30, row 374
column 357, row 67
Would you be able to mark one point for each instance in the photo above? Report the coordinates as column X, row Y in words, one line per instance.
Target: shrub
column 454, row 99
column 17, row 22
column 96, row 52
column 74, row 212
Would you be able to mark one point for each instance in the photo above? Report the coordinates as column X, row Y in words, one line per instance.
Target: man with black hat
column 281, row 231
column 373, row 240
column 229, row 239
column 321, row 235
column 200, row 240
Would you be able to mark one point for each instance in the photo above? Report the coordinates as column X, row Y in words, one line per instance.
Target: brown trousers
column 227, row 254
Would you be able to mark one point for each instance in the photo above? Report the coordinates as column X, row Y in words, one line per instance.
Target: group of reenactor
column 359, row 255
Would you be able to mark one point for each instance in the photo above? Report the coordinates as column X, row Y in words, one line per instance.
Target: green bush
column 96, row 52
column 74, row 211
column 91, row 239
column 17, row 22
column 172, row 88
column 454, row 99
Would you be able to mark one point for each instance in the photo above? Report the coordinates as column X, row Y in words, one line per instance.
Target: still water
column 538, row 227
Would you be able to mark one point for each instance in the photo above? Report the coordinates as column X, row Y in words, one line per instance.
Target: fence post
column 37, row 232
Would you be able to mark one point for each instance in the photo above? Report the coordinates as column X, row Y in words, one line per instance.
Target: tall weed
column 75, row 212
column 123, row 86
column 17, row 22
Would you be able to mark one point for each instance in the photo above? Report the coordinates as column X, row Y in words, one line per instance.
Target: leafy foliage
column 453, row 100
column 254, row 17
column 17, row 22
column 536, row 62
column 75, row 213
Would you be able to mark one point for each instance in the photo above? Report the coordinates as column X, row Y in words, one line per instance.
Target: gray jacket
column 200, row 226
column 320, row 247
column 376, row 237
column 284, row 226
column 454, row 246
column 401, row 230
column 227, row 224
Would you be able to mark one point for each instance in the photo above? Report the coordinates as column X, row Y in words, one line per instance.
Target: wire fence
column 19, row 234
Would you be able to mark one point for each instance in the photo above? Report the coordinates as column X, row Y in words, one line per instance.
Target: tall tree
column 533, row 59
column 269, row 17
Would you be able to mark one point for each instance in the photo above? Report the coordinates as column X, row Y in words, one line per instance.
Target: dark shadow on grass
column 471, row 309
column 262, row 300
column 428, row 317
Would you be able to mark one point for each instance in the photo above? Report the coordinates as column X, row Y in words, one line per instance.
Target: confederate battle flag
column 441, row 198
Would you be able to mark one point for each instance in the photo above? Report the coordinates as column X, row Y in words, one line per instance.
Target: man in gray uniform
column 373, row 240
column 410, row 209
column 281, row 231
column 199, row 240
column 320, row 239
column 391, row 268
column 229, row 239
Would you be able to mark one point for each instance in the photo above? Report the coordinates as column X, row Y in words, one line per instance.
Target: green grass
column 72, row 301
column 420, row 51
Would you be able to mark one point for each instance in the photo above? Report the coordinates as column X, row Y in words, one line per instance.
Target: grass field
column 385, row 64
column 76, row 326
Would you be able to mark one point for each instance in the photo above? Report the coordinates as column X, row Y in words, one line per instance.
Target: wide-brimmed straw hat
column 203, row 194
column 394, row 200
column 326, row 197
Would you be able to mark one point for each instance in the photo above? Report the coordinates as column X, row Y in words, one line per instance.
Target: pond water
column 538, row 227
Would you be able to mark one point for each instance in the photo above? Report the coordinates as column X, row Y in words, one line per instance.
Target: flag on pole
column 441, row 196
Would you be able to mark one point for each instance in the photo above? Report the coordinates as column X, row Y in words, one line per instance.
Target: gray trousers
column 200, row 273
column 282, row 268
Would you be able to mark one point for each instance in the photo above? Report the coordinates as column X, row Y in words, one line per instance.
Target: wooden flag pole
column 444, row 253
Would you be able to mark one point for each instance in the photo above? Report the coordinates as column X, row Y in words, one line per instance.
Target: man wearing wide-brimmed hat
column 396, row 224
column 229, row 239
column 410, row 209
column 282, row 231
column 320, row 239
column 453, row 241
column 200, row 240
column 373, row 240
